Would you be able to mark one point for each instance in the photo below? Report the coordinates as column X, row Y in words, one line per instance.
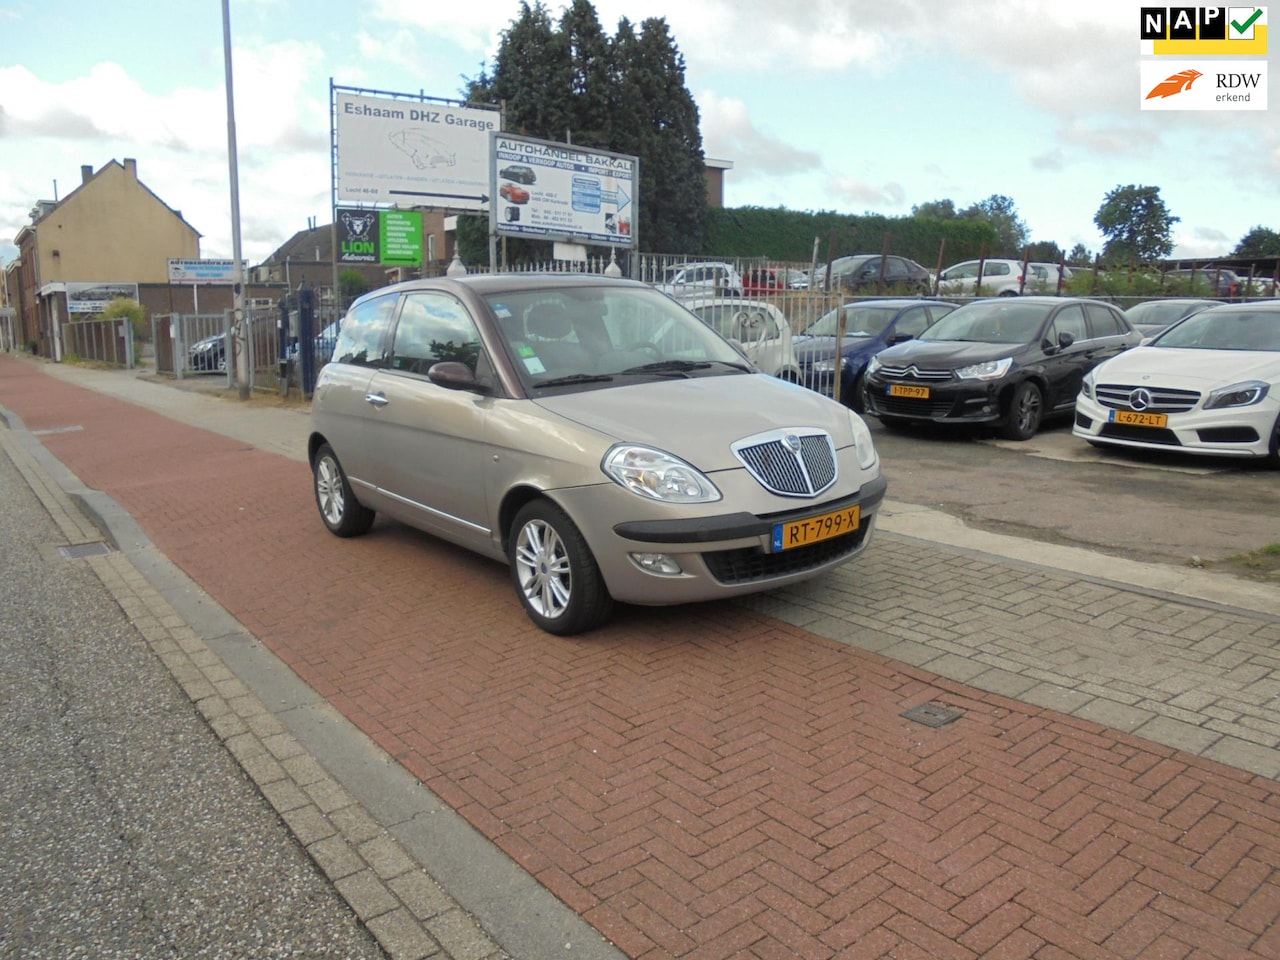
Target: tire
column 342, row 513
column 1273, row 458
column 1026, row 408
column 555, row 575
column 856, row 398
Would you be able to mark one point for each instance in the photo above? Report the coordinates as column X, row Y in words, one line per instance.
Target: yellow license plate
column 901, row 390
column 1135, row 419
column 798, row 533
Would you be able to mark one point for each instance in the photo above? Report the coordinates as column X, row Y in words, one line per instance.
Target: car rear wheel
column 857, row 395
column 555, row 575
column 1026, row 407
column 342, row 513
column 1273, row 458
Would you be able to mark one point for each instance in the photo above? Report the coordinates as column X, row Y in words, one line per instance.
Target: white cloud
column 728, row 131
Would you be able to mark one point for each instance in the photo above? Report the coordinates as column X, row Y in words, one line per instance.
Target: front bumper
column 954, row 401
column 719, row 555
column 1227, row 432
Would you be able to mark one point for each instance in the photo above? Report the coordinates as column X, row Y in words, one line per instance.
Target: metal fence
column 107, row 341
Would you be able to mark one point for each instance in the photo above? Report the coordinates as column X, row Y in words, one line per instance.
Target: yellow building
column 109, row 234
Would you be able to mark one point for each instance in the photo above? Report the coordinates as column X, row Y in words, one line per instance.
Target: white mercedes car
column 1209, row 384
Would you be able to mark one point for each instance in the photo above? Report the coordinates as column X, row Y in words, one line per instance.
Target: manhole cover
column 933, row 714
column 78, row 550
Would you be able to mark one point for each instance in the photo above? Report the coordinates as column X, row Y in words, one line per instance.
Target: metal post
column 241, row 354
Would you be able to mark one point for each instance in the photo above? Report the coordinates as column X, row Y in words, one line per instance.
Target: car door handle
column 377, row 399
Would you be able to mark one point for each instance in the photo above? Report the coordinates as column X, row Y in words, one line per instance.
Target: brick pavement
column 713, row 782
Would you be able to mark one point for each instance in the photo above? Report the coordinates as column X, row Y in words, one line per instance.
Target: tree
column 1000, row 212
column 1044, row 251
column 352, row 283
column 938, row 209
column 1136, row 224
column 1080, row 254
column 123, row 308
column 1258, row 242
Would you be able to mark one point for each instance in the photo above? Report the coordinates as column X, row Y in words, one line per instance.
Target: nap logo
column 1203, row 31
column 1219, row 85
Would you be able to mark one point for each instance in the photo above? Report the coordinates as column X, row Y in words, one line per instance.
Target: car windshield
column 1220, row 329
column 584, row 334
column 1155, row 311
column 1000, row 320
column 860, row 321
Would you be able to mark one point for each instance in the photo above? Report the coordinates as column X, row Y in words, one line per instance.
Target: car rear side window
column 1070, row 319
column 1102, row 322
column 363, row 335
column 434, row 328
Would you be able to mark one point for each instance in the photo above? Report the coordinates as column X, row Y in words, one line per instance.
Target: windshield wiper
column 573, row 378
column 669, row 366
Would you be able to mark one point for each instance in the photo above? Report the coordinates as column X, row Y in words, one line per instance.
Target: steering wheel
column 646, row 345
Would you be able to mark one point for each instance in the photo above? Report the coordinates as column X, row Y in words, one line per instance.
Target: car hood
column 947, row 354
column 1167, row 366
column 712, row 413
column 809, row 348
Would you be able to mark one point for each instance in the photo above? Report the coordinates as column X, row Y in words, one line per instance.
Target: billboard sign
column 556, row 191
column 94, row 298
column 205, row 271
column 396, row 149
column 392, row 237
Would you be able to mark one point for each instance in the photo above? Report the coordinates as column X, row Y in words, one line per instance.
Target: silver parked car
column 593, row 434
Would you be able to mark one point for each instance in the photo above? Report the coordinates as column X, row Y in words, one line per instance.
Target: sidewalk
column 700, row 782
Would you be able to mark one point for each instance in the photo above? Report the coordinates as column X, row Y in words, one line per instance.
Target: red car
column 509, row 191
column 761, row 280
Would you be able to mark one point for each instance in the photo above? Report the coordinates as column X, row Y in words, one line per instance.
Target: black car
column 871, row 273
column 1007, row 361
column 518, row 173
column 208, row 355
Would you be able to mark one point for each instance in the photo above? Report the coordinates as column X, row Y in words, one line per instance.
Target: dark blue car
column 870, row 326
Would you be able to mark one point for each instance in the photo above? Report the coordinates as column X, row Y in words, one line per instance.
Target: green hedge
column 787, row 235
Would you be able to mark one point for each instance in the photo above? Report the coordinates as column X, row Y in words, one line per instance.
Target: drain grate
column 933, row 714
column 79, row 550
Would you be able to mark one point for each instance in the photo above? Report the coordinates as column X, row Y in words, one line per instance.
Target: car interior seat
column 549, row 329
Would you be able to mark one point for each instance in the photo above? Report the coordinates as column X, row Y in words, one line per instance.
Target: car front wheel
column 1026, row 407
column 555, row 575
column 342, row 513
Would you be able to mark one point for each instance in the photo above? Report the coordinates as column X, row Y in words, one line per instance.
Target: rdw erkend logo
column 1178, row 83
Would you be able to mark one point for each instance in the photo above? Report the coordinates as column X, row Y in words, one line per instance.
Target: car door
column 1065, row 367
column 430, row 443
column 343, row 389
column 1108, row 332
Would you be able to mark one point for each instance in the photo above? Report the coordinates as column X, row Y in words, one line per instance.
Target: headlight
column 873, row 365
column 1237, row 395
column 829, row 366
column 1086, row 387
column 862, row 442
column 657, row 475
column 987, row 370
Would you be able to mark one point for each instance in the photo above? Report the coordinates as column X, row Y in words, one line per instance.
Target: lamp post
column 240, row 337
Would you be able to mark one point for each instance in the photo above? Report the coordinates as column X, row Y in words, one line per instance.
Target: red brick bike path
column 702, row 782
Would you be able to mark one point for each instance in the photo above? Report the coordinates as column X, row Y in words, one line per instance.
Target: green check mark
column 1242, row 27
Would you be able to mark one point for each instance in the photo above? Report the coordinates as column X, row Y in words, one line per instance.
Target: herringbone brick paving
column 708, row 782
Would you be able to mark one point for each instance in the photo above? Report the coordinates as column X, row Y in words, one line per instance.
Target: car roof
column 487, row 283
column 1250, row 306
column 896, row 302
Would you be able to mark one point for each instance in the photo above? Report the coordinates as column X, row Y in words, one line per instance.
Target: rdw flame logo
column 1178, row 83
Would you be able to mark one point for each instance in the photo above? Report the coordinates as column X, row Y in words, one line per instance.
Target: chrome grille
column 1121, row 396
column 792, row 463
column 913, row 372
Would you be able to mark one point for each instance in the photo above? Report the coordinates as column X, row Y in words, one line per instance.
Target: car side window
column 995, row 269
column 1070, row 319
column 895, row 269
column 433, row 328
column 1102, row 322
column 911, row 323
column 363, row 335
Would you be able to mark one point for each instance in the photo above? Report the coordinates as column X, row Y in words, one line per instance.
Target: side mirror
column 901, row 337
column 1065, row 340
column 453, row 375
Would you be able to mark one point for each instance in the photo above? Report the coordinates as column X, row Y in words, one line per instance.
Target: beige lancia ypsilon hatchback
column 592, row 434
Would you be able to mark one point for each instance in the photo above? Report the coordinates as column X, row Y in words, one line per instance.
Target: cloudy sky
column 843, row 105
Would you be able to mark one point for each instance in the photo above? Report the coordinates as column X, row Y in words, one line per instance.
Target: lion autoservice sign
column 392, row 237
column 556, row 191
column 398, row 149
